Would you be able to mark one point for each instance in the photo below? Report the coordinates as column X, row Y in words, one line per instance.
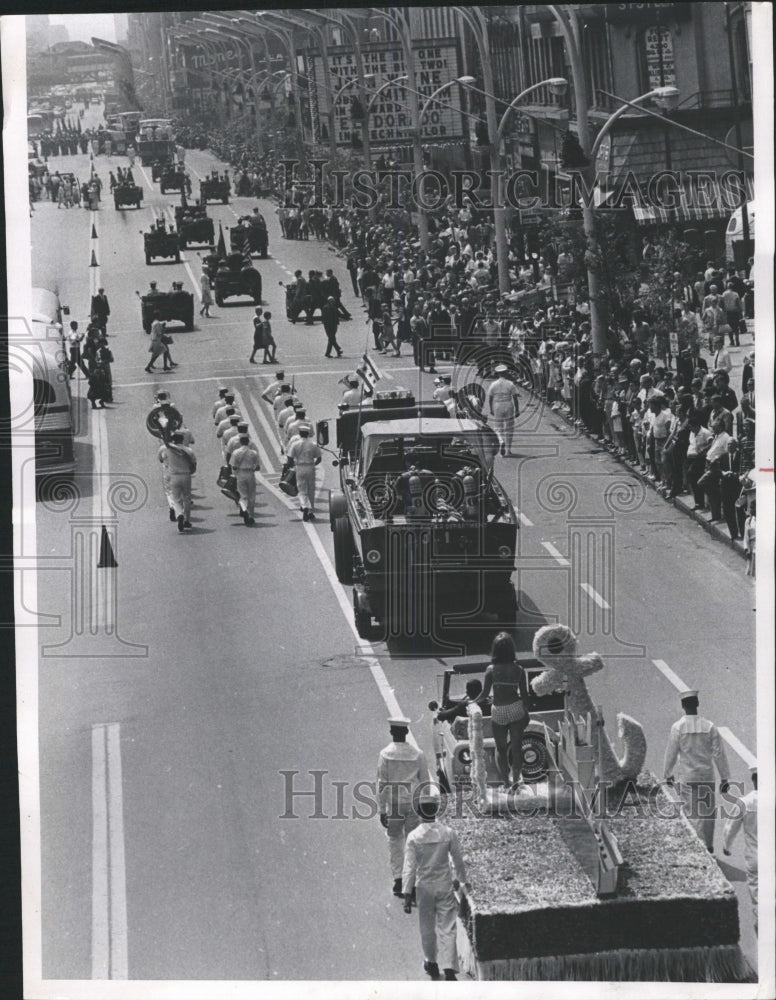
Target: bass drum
column 162, row 421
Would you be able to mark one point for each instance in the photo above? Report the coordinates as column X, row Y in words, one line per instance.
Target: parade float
column 593, row 874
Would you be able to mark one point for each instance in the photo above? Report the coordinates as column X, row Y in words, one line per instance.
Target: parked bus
column 52, row 399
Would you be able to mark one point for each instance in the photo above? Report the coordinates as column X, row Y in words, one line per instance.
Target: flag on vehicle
column 369, row 372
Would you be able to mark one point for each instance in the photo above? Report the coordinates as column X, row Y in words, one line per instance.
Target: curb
column 716, row 530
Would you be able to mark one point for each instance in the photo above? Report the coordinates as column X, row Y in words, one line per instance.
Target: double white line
column 109, row 882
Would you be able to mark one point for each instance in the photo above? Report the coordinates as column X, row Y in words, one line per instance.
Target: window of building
column 597, row 63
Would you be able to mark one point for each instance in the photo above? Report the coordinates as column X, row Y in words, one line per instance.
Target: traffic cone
column 94, row 232
column 107, row 560
column 94, row 260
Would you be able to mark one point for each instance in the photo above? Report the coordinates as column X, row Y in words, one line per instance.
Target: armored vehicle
column 236, row 275
column 158, row 167
column 174, row 305
column 194, row 226
column 125, row 195
column 250, row 235
column 172, row 178
column 420, row 523
column 158, row 242
column 214, row 188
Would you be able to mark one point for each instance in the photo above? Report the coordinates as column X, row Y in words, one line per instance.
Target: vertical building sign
column 436, row 63
column 659, row 51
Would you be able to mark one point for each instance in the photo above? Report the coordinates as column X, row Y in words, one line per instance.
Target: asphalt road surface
column 179, row 690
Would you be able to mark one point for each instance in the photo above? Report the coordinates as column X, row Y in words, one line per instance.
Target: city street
column 188, row 694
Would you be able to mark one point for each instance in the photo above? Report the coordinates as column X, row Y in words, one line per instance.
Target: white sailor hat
column 500, row 369
column 688, row 695
column 398, row 722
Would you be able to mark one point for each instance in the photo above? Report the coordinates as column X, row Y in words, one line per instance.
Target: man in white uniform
column 430, row 849
column 694, row 744
column 401, row 768
column 502, row 403
column 245, row 462
column 306, row 455
column 270, row 393
column 181, row 463
column 746, row 819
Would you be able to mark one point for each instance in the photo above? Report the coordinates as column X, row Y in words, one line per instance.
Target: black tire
column 162, row 189
column 338, row 507
column 363, row 624
column 189, row 321
column 219, row 299
column 536, row 759
column 343, row 550
column 148, row 258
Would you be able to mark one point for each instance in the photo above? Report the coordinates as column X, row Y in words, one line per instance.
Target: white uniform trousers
column 437, row 912
column 305, row 481
column 246, row 487
column 166, row 486
column 180, row 487
column 699, row 805
column 504, row 426
column 405, row 821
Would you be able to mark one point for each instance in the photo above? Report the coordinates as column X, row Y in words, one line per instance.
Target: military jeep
column 194, row 226
column 250, row 235
column 168, row 306
column 214, row 189
column 236, row 275
column 172, row 178
column 125, row 195
column 159, row 242
column 421, row 526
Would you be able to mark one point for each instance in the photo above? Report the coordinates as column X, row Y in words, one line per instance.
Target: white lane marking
column 270, row 431
column 735, row 744
column 148, row 180
column 109, row 889
column 670, row 676
column 266, row 462
column 591, row 592
column 524, row 520
column 365, row 648
column 559, row 559
column 118, row 874
column 100, row 912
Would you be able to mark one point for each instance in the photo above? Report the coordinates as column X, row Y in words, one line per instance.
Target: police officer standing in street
column 401, row 770
column 502, row 404
column 694, row 744
column 429, row 850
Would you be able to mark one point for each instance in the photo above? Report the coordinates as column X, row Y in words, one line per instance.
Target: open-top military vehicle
column 194, row 225
column 161, row 242
column 125, row 195
column 450, row 728
column 421, row 525
column 214, row 188
column 168, row 306
column 158, row 167
column 236, row 275
column 172, row 178
column 250, row 235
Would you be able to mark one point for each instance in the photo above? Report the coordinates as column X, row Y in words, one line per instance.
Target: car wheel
column 338, row 507
column 343, row 550
column 177, row 257
column 190, row 319
column 219, row 299
column 363, row 624
column 536, row 759
column 148, row 258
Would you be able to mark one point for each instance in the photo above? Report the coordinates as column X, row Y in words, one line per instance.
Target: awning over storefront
column 694, row 204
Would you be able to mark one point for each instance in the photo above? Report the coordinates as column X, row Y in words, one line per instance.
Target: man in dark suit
column 100, row 310
column 330, row 318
